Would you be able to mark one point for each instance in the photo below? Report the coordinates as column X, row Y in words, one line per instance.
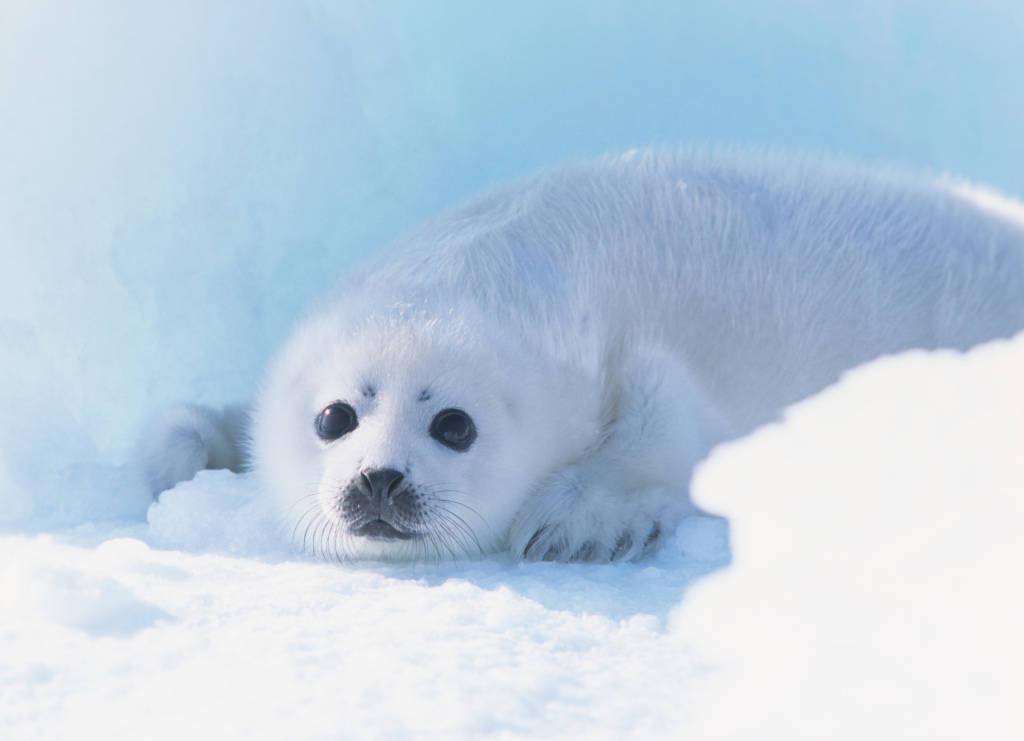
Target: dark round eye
column 453, row 428
column 335, row 420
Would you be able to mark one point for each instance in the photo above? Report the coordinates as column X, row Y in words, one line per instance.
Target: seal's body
column 542, row 368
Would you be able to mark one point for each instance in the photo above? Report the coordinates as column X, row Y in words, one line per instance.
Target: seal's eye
column 453, row 428
column 335, row 420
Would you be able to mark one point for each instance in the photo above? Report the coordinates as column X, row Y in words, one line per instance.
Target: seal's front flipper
column 188, row 438
column 632, row 487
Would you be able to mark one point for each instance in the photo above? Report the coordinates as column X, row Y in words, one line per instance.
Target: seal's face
column 406, row 440
column 407, row 454
column 380, row 503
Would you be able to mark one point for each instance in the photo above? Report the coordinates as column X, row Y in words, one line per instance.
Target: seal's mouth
column 380, row 530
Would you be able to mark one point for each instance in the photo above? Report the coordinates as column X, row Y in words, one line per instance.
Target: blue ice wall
column 178, row 181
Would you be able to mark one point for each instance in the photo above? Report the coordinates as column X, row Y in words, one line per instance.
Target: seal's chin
column 380, row 530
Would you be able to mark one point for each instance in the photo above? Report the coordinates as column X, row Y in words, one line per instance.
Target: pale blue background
column 178, row 181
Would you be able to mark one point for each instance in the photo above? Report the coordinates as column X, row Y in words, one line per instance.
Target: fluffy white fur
column 606, row 324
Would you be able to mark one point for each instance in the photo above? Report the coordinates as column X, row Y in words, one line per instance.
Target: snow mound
column 875, row 551
column 216, row 511
column 44, row 589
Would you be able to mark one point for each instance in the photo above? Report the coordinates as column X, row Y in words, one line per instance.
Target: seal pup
column 542, row 368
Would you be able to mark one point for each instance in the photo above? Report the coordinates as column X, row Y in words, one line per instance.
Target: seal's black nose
column 381, row 483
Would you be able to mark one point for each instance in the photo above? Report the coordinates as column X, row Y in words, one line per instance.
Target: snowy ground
column 873, row 591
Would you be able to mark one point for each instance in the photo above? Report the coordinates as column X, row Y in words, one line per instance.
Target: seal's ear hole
column 454, row 429
column 511, row 406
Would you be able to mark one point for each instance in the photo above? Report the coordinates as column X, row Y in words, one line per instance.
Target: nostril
column 364, row 482
column 382, row 482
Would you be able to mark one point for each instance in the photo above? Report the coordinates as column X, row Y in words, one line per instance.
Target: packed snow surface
column 867, row 585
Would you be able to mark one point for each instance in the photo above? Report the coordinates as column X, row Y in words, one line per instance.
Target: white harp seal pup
column 541, row 368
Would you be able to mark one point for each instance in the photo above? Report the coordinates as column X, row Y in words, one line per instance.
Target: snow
column 180, row 182
column 877, row 556
column 872, row 590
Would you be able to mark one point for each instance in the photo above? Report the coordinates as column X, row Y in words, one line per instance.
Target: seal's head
column 409, row 437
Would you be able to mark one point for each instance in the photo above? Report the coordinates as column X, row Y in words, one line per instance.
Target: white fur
column 188, row 438
column 606, row 324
